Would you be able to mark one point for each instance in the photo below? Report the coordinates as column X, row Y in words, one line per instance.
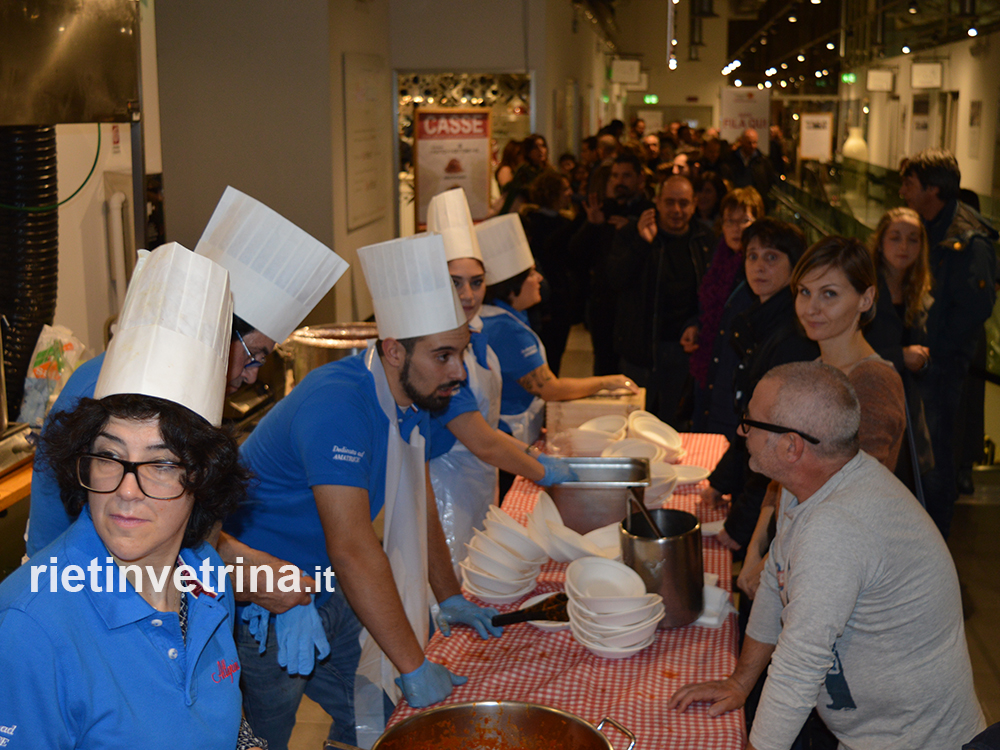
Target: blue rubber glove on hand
column 301, row 639
column 459, row 609
column 427, row 684
column 557, row 471
column 257, row 618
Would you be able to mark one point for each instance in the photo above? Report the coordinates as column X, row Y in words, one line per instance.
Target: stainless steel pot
column 599, row 495
column 671, row 565
column 498, row 725
column 312, row 346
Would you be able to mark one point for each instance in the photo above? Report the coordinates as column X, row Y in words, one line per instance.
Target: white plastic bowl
column 484, row 543
column 608, row 652
column 615, row 425
column 626, row 637
column 635, row 448
column 494, row 513
column 546, row 510
column 652, row 429
column 494, row 598
column 651, row 603
column 638, row 414
column 653, row 613
column 494, row 567
column 600, row 578
column 485, row 582
column 516, row 541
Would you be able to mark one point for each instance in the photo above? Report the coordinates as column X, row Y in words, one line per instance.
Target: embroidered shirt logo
column 529, row 351
column 225, row 671
column 9, row 731
column 340, row 453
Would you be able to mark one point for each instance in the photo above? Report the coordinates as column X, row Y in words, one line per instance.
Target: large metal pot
column 669, row 565
column 312, row 346
column 497, row 725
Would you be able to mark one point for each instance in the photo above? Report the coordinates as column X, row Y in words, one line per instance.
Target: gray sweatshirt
column 861, row 597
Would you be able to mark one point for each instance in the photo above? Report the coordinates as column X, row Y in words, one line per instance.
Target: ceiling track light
column 913, row 8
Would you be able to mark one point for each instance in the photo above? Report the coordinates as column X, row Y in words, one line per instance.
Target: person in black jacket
column 655, row 268
column 963, row 263
column 764, row 336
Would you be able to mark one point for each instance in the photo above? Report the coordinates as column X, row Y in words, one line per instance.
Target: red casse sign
column 453, row 125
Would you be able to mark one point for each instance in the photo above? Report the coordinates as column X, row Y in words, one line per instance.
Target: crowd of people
column 834, row 370
column 692, row 291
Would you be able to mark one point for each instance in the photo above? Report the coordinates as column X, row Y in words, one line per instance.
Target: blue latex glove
column 257, row 618
column 557, row 471
column 300, row 636
column 427, row 684
column 459, row 609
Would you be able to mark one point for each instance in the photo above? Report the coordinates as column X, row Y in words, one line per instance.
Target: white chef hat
column 448, row 214
column 173, row 333
column 278, row 272
column 411, row 289
column 505, row 248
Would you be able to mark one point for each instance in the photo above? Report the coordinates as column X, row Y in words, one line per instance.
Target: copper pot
column 498, row 725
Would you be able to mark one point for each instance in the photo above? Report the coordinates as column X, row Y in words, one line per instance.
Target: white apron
column 465, row 486
column 526, row 426
column 405, row 536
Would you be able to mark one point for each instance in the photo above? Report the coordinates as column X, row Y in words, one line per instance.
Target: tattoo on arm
column 535, row 380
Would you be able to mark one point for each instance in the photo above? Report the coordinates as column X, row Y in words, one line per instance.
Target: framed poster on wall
column 816, row 136
column 451, row 148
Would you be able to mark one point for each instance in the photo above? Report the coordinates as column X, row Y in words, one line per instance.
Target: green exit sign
column 651, row 99
column 848, row 78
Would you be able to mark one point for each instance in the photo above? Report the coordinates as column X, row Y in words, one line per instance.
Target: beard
column 428, row 402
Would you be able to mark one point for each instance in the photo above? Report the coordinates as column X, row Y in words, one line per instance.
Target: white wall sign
column 642, row 85
column 879, row 80
column 452, row 149
column 743, row 108
column 366, row 137
column 926, row 75
column 653, row 119
column 625, row 71
column 816, row 136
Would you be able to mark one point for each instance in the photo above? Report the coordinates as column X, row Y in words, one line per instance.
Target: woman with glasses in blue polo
column 119, row 634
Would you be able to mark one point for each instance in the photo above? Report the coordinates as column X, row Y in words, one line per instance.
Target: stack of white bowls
column 612, row 425
column 646, row 426
column 503, row 563
column 610, row 613
column 563, row 544
column 636, row 448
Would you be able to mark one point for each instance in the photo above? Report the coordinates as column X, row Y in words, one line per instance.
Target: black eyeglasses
column 744, row 423
column 254, row 362
column 159, row 480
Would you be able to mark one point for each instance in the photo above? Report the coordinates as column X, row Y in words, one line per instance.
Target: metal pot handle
column 620, row 728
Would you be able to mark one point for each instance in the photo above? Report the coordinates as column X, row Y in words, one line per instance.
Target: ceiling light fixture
column 906, row 49
column 784, row 66
column 792, row 19
column 795, row 115
column 737, row 83
column 973, row 31
column 801, row 58
column 830, row 45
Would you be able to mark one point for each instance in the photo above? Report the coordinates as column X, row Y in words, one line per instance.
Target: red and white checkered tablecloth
column 552, row 669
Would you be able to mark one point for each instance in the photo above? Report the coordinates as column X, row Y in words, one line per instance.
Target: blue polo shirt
column 94, row 670
column 519, row 350
column 47, row 515
column 442, row 439
column 329, row 430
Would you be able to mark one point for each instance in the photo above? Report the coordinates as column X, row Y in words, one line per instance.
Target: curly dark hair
column 215, row 477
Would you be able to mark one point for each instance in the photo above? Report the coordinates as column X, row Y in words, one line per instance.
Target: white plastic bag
column 57, row 355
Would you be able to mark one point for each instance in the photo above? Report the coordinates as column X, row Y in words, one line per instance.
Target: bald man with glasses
column 858, row 610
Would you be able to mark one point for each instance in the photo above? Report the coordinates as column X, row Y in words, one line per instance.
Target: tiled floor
column 974, row 543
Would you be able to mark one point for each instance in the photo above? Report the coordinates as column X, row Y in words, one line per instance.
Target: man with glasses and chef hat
column 858, row 610
column 348, row 442
column 278, row 273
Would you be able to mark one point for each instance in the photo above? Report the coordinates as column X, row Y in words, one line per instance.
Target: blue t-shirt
column 330, row 430
column 519, row 350
column 91, row 670
column 48, row 518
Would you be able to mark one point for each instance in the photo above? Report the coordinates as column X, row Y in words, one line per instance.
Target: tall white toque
column 278, row 272
column 505, row 247
column 411, row 288
column 173, row 333
column 448, row 214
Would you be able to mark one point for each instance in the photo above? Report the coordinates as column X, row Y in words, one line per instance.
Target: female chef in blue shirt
column 513, row 286
column 119, row 634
